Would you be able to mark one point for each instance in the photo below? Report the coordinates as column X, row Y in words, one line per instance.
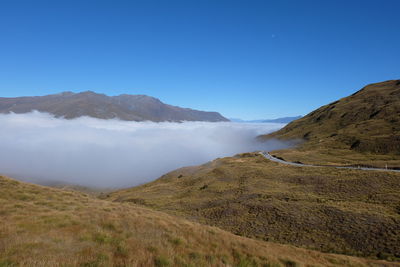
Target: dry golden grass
column 310, row 154
column 42, row 226
column 363, row 128
column 342, row 211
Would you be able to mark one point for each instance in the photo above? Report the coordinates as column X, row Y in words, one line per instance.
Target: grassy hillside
column 342, row 211
column 363, row 128
column 43, row 226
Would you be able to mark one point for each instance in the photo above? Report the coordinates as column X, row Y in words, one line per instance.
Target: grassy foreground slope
column 363, row 128
column 342, row 211
column 42, row 226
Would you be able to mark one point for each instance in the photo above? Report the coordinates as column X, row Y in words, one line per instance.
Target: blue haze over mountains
column 277, row 120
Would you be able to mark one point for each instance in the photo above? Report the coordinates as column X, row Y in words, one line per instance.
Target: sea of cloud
column 39, row 148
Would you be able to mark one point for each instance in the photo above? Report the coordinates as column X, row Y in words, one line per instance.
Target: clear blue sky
column 248, row 59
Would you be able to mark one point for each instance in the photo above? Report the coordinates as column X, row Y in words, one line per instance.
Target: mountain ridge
column 88, row 103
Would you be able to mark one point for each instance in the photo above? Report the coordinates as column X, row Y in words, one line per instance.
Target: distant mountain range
column 278, row 120
column 124, row 107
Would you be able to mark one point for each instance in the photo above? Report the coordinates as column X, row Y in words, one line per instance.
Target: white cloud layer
column 39, row 148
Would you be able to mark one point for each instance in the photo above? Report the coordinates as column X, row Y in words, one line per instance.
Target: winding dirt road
column 275, row 159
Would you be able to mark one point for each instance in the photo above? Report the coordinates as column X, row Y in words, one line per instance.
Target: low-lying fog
column 39, row 148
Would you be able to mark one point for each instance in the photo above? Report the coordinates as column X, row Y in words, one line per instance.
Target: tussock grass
column 338, row 211
column 363, row 128
column 51, row 227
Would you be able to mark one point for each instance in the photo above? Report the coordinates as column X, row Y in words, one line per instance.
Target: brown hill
column 342, row 211
column 124, row 107
column 42, row 226
column 361, row 128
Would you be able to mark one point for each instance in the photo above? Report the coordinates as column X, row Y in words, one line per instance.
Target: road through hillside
column 275, row 159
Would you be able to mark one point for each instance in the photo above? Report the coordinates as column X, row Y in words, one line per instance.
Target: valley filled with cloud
column 39, row 148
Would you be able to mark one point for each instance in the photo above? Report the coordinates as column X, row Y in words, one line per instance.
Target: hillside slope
column 42, row 226
column 124, row 107
column 342, row 211
column 361, row 128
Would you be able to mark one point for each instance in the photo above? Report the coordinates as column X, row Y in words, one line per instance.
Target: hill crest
column 364, row 125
